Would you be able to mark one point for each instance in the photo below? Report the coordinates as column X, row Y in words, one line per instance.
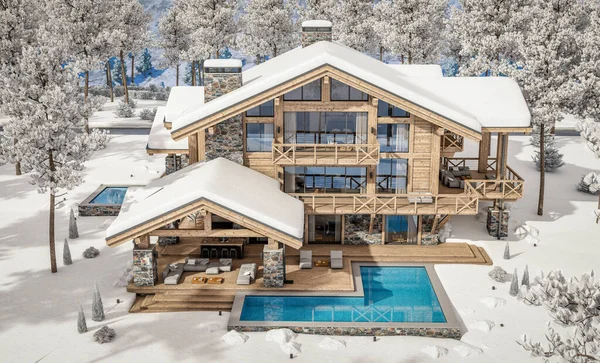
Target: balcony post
column 501, row 155
column 484, row 152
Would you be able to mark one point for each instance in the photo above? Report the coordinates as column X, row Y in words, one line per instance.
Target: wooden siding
column 421, row 168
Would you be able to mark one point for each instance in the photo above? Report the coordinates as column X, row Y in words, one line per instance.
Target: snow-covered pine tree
column 552, row 158
column 535, row 136
column 525, row 280
column 44, row 96
column 130, row 32
column 589, row 183
column 507, row 252
column 173, row 38
column 488, row 33
column 316, row 9
column 81, row 323
column 268, row 28
column 514, row 284
column 146, row 66
column 18, row 19
column 117, row 75
column 353, row 25
column 73, row 231
column 67, row 260
column 411, row 28
column 380, row 24
column 97, row 306
column 549, row 53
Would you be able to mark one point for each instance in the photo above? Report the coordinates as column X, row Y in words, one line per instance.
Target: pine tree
column 316, row 9
column 146, row 67
column 589, row 183
column 514, row 284
column 73, row 232
column 353, row 25
column 44, row 96
column 67, row 254
column 507, row 252
column 117, row 75
column 552, row 158
column 97, row 307
column 174, row 38
column 81, row 323
column 268, row 29
column 187, row 77
column 525, row 280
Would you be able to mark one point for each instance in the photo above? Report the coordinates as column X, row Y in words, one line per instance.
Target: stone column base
column 175, row 162
column 429, row 239
column 273, row 267
column 145, row 266
column 497, row 222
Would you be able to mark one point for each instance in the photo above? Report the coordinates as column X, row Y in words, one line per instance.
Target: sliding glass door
column 400, row 229
column 324, row 229
column 325, row 127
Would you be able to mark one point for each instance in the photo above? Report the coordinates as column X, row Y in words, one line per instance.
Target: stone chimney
column 315, row 31
column 221, row 76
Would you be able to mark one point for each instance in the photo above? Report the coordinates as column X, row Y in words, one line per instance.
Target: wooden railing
column 451, row 142
column 472, row 163
column 325, row 154
column 317, row 203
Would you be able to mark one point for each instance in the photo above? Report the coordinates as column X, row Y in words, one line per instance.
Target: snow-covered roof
column 235, row 187
column 459, row 101
column 316, row 24
column 418, row 70
column 182, row 98
column 223, row 63
column 160, row 137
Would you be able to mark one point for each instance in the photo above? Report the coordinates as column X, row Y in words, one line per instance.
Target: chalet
column 322, row 145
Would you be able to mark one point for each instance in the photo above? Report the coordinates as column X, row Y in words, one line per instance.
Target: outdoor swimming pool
column 110, row 195
column 391, row 294
column 104, row 201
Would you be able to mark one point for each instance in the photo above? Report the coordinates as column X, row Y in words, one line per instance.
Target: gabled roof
column 239, row 190
column 418, row 70
column 182, row 98
column 457, row 101
column 159, row 139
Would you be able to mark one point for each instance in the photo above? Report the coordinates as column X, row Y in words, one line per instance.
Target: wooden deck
column 187, row 296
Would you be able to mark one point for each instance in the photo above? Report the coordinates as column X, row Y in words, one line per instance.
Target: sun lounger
column 172, row 274
column 247, row 274
column 306, row 259
column 336, row 259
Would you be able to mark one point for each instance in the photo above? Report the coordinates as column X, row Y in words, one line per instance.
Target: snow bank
column 291, row 347
column 434, row 351
column 329, row 343
column 280, row 336
column 209, row 328
column 467, row 350
column 482, row 325
column 234, row 338
column 493, row 302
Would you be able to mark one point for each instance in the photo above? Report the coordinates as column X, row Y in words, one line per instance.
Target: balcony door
column 325, row 127
column 324, row 229
column 401, row 230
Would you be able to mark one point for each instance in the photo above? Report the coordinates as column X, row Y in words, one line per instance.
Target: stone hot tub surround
column 88, row 208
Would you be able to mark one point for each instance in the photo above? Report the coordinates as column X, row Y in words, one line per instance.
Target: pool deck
column 187, row 296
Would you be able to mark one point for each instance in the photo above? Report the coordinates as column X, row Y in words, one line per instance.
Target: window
column 401, row 229
column 308, row 92
column 343, row 92
column 325, row 127
column 301, row 179
column 393, row 137
column 267, row 109
column 325, row 229
column 391, row 176
column 384, row 109
column 259, row 137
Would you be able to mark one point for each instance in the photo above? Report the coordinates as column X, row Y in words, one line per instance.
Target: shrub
column 124, row 110
column 97, row 102
column 161, row 96
column 514, row 284
column 91, row 252
column 153, row 88
column 498, row 274
column 144, row 95
column 105, row 335
column 589, row 183
column 148, row 114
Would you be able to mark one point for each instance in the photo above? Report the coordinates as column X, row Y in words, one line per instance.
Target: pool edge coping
column 452, row 320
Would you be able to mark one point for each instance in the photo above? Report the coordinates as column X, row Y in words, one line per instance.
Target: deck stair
column 184, row 300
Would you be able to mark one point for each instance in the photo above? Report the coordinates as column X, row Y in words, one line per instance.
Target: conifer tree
column 353, row 25
column 146, row 65
column 97, row 307
column 73, row 231
column 174, row 38
column 81, row 323
column 507, row 252
column 316, row 9
column 525, row 280
column 514, row 284
column 67, row 254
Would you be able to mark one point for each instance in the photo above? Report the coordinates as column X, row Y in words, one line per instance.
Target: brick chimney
column 221, row 76
column 315, row 31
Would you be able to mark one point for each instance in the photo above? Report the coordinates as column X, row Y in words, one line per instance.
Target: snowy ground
column 38, row 310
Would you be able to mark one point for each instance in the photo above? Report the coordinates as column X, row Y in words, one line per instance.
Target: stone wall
column 175, row 162
column 452, row 333
column 273, row 267
column 218, row 84
column 145, row 266
column 226, row 141
column 497, row 222
column 309, row 38
column 356, row 230
column 91, row 210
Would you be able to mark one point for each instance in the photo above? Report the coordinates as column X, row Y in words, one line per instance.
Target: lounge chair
column 306, row 259
column 336, row 259
column 247, row 274
column 172, row 274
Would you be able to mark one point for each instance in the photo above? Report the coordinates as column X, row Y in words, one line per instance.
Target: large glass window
column 391, row 176
column 267, row 109
column 393, row 137
column 324, row 229
column 342, row 92
column 321, row 179
column 259, row 137
column 384, row 109
column 325, row 127
column 400, row 229
column 308, row 92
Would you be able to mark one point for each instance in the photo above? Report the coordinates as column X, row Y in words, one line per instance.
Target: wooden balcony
column 485, row 185
column 407, row 204
column 451, row 143
column 325, row 154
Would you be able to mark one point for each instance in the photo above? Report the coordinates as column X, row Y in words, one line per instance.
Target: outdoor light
column 278, row 129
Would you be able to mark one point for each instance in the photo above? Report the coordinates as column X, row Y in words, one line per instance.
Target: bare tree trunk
column 177, row 74
column 381, row 54
column 124, row 75
column 109, row 81
column 53, row 267
column 193, row 73
column 18, row 163
column 540, row 211
column 132, row 68
column 85, row 97
column 409, row 57
column 402, row 59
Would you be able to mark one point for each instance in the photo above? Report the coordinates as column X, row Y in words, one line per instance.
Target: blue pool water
column 110, row 195
column 391, row 294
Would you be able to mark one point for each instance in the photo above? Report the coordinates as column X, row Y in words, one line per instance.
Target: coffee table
column 215, row 280
column 199, row 280
column 322, row 263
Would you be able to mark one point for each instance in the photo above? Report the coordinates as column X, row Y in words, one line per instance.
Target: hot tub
column 105, row 201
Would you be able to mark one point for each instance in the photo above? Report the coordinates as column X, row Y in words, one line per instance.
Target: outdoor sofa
column 247, row 274
column 172, row 273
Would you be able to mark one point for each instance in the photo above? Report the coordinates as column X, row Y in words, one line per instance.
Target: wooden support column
column 272, row 244
column 208, row 221
column 326, row 89
column 372, row 120
column 419, row 229
column 435, row 159
column 197, row 146
column 484, row 151
column 343, row 228
column 143, row 242
column 501, row 155
column 383, row 227
column 371, row 224
column 278, row 119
